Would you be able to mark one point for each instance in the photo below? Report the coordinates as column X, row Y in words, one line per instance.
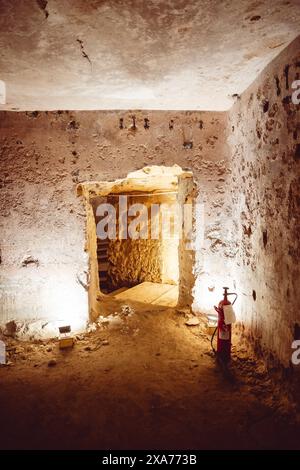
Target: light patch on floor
column 150, row 293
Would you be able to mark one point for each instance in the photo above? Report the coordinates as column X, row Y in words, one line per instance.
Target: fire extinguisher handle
column 236, row 296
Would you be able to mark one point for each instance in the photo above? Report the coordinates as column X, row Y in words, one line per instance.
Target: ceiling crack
column 83, row 53
column 42, row 4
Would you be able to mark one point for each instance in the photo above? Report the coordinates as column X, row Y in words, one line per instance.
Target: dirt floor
column 143, row 380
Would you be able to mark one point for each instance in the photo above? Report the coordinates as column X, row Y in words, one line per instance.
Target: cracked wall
column 265, row 135
column 44, row 155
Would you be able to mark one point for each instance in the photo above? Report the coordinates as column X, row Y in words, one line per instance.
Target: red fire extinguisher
column 224, row 330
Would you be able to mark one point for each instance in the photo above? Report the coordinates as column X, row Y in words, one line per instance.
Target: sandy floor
column 145, row 380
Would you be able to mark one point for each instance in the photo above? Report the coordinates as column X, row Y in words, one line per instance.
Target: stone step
column 102, row 242
column 103, row 267
column 101, row 253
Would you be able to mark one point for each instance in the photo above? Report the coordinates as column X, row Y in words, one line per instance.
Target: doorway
column 138, row 244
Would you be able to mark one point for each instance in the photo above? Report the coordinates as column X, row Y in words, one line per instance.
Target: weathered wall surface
column 44, row 155
column 247, row 220
column 111, row 54
column 265, row 138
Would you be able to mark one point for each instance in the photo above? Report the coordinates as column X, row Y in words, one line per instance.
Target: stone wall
column 130, row 261
column 265, row 139
column 44, row 155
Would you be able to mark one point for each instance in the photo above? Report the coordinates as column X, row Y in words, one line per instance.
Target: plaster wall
column 264, row 129
column 44, row 155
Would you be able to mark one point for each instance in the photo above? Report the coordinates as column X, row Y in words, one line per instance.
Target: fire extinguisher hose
column 212, row 339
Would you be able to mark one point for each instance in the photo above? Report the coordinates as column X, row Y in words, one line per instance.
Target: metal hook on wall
column 133, row 126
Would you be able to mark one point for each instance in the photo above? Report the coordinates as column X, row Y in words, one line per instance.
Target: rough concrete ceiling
column 148, row 54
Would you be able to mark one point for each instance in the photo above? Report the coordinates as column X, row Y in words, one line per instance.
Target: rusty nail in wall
column 133, row 126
